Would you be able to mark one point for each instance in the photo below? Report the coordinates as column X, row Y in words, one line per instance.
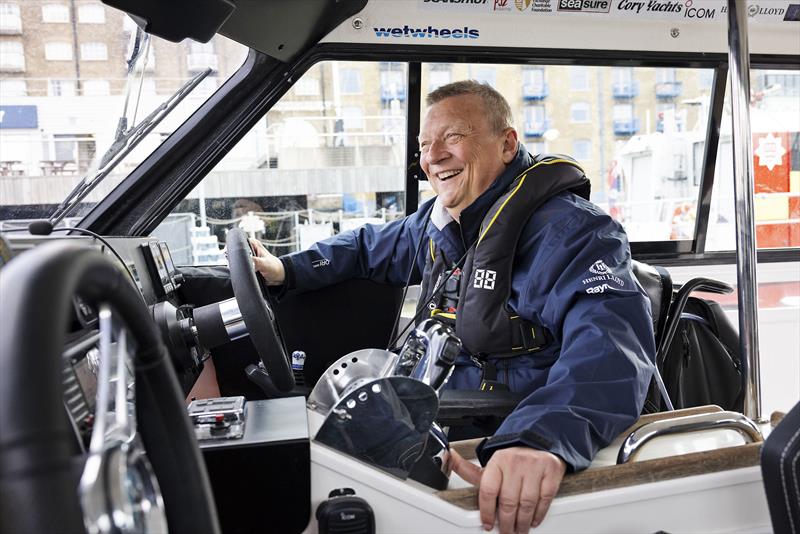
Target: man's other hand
column 268, row 265
column 516, row 486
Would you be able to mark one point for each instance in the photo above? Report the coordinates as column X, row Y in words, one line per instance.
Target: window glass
column 636, row 133
column 12, row 56
column 321, row 161
column 580, row 112
column 94, row 52
column 11, row 87
column 775, row 126
column 91, row 14
column 55, row 13
column 61, row 117
column 59, row 51
column 10, row 20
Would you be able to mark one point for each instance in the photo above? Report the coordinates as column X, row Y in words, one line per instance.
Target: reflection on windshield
column 61, row 102
column 126, row 137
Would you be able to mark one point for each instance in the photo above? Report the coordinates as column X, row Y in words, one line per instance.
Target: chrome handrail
column 743, row 187
column 708, row 421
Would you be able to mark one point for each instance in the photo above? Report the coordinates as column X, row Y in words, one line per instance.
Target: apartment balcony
column 626, row 126
column 625, row 90
column 393, row 92
column 10, row 25
column 12, row 62
column 199, row 61
column 535, row 91
column 667, row 90
column 536, row 128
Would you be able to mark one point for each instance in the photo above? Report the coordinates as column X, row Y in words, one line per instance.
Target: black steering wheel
column 153, row 454
column 257, row 313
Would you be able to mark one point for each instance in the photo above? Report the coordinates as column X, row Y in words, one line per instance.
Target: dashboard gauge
column 158, row 268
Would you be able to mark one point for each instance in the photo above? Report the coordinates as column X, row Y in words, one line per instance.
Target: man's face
column 460, row 153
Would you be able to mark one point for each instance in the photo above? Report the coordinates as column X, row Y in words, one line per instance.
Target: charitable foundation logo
column 523, row 5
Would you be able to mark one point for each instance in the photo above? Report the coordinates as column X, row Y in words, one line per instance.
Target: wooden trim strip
column 634, row 473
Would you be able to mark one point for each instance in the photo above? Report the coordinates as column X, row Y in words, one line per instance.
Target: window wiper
column 125, row 141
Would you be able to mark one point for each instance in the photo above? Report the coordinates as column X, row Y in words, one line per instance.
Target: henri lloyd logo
column 602, row 274
column 599, row 267
column 585, row 6
column 430, row 32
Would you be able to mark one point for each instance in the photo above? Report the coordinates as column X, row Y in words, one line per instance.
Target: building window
column 55, row 13
column 196, row 47
column 61, row 88
column 96, row 88
column 12, row 56
column 484, row 74
column 582, row 149
column 393, row 82
column 579, row 78
column 535, row 121
column 94, row 52
column 705, row 78
column 579, row 112
column 92, row 14
column 350, row 81
column 58, row 51
column 13, row 87
column 438, row 76
column 10, row 20
column 623, row 112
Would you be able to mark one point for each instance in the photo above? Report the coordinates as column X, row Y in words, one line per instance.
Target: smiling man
column 537, row 282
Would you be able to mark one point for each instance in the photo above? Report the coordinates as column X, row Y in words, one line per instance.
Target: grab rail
column 710, row 421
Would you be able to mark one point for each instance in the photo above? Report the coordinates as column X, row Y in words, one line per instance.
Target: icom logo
column 320, row 263
column 484, row 279
column 585, row 6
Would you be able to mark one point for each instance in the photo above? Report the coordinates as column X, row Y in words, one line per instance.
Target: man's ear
column 510, row 145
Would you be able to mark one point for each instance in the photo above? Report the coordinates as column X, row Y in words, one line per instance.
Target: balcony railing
column 12, row 62
column 535, row 91
column 197, row 61
column 10, row 25
column 668, row 89
column 536, row 128
column 626, row 126
column 625, row 89
column 393, row 92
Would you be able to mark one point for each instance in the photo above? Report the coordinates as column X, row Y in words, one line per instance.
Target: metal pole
column 744, row 185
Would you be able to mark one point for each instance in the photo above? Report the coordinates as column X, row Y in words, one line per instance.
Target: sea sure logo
column 431, row 32
column 585, row 6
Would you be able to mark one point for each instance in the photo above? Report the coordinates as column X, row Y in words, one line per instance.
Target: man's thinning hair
column 497, row 109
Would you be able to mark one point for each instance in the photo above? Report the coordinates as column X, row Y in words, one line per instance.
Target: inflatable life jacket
column 483, row 320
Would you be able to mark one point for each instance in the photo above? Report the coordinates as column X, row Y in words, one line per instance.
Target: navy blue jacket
column 572, row 275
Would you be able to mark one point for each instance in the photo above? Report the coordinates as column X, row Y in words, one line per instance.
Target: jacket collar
column 454, row 237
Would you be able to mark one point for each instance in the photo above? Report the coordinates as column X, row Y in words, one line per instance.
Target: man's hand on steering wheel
column 270, row 267
column 516, row 486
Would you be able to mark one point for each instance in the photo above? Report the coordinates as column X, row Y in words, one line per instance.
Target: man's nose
column 437, row 151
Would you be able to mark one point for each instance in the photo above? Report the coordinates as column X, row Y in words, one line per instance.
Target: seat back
column 657, row 284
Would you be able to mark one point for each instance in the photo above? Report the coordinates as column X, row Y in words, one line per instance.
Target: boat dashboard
column 149, row 266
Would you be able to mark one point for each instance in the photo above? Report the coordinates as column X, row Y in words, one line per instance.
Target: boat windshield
column 105, row 96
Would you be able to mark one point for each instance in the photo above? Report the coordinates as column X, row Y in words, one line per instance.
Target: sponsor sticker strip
column 763, row 11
